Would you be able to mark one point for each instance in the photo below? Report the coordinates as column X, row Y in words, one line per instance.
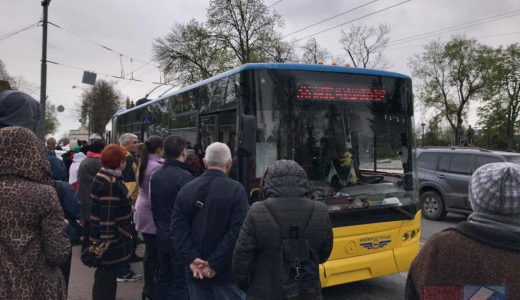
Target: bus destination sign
column 332, row 93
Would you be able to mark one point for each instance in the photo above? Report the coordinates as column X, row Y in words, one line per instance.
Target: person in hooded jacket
column 19, row 109
column 32, row 228
column 480, row 256
column 257, row 261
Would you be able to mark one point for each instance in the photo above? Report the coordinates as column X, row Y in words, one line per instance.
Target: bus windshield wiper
column 409, row 215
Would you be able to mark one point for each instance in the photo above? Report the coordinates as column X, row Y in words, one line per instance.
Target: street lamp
column 422, row 125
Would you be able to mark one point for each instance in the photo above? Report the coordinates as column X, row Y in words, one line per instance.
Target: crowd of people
column 202, row 240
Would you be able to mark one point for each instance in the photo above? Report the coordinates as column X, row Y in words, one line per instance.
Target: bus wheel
column 432, row 205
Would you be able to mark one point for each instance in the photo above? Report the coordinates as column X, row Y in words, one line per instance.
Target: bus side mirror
column 247, row 138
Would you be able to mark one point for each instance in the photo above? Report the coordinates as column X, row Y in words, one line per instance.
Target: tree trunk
column 458, row 134
column 510, row 137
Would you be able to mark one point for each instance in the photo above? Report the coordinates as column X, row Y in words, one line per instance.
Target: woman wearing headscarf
column 150, row 161
column 32, row 227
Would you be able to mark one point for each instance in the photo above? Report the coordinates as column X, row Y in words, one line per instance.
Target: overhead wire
column 15, row 32
column 353, row 20
column 106, row 74
column 274, row 3
column 447, row 29
column 120, row 54
column 478, row 37
column 102, row 46
column 456, row 27
column 330, row 18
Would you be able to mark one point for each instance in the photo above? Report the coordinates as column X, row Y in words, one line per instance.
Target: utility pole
column 43, row 84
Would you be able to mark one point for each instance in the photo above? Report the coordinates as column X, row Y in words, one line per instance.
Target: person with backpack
column 283, row 239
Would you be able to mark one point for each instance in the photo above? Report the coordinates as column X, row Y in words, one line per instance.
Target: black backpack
column 300, row 264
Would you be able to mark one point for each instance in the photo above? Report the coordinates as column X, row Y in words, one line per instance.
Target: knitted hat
column 495, row 189
column 76, row 149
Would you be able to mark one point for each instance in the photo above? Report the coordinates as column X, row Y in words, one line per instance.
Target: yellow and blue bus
column 350, row 129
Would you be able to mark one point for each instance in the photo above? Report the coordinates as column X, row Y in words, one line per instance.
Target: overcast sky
column 130, row 26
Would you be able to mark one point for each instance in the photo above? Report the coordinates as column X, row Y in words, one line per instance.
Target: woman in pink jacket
column 151, row 160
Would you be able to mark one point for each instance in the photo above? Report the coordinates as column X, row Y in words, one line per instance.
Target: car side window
column 428, row 160
column 444, row 162
column 460, row 163
column 481, row 160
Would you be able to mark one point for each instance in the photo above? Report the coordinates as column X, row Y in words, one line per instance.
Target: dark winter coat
column 88, row 169
column 209, row 232
column 257, row 260
column 164, row 186
column 58, row 171
column 70, row 205
column 110, row 217
column 464, row 256
column 32, row 238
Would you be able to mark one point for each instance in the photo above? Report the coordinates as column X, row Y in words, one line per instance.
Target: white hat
column 95, row 136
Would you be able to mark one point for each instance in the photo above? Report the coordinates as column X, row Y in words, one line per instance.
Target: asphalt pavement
column 388, row 287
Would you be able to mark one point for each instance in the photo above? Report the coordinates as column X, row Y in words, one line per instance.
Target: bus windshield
column 351, row 133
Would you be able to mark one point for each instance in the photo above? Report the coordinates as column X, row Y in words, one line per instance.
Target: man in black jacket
column 164, row 186
column 286, row 216
column 206, row 220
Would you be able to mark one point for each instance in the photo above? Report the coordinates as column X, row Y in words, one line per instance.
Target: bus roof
column 273, row 66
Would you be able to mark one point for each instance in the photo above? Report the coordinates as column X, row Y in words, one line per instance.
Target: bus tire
column 432, row 205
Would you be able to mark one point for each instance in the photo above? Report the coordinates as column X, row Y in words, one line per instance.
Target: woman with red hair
column 109, row 230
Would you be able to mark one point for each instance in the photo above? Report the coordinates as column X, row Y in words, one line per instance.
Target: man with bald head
column 206, row 220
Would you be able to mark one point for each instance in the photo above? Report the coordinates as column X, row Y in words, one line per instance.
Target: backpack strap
column 304, row 232
column 284, row 234
column 199, row 204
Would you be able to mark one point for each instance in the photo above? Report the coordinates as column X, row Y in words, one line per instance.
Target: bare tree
column 281, row 51
column 364, row 45
column 190, row 53
column 246, row 27
column 99, row 104
column 313, row 53
column 5, row 79
column 51, row 121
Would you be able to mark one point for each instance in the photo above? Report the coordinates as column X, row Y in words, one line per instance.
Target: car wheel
column 432, row 205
